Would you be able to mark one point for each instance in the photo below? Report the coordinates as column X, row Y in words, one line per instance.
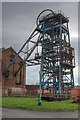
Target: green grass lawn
column 31, row 104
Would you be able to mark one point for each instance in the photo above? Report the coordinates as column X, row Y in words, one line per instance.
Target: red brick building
column 12, row 85
column 0, row 75
column 32, row 90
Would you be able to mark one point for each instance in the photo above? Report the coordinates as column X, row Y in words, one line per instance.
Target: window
column 18, row 78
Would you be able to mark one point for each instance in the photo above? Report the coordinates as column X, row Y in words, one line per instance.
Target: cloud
column 19, row 19
column 33, row 74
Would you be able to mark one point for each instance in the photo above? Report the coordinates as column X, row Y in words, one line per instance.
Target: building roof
column 10, row 48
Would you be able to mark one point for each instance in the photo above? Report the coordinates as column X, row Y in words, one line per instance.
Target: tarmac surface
column 22, row 113
column 0, row 113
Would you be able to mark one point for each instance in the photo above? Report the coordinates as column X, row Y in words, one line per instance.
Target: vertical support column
column 60, row 69
column 41, row 69
column 59, row 78
column 68, row 34
column 72, row 78
column 40, row 94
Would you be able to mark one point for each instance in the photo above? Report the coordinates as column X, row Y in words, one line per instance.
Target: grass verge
column 31, row 104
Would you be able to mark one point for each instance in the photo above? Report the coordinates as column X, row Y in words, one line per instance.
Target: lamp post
column 39, row 93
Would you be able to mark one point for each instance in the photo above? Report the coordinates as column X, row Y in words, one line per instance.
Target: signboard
column 39, row 91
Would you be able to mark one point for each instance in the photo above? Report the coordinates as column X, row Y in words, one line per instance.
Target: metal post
column 40, row 95
column 41, row 70
column 60, row 87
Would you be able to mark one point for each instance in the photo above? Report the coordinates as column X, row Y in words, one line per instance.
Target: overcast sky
column 18, row 21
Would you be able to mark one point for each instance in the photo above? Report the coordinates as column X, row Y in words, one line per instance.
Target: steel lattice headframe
column 57, row 58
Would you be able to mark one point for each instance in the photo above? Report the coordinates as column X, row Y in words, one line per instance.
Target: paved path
column 21, row 113
column 0, row 113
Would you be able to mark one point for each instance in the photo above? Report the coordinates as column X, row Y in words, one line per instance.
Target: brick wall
column 32, row 90
column 13, row 85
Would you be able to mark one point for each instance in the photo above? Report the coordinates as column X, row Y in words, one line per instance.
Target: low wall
column 13, row 91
